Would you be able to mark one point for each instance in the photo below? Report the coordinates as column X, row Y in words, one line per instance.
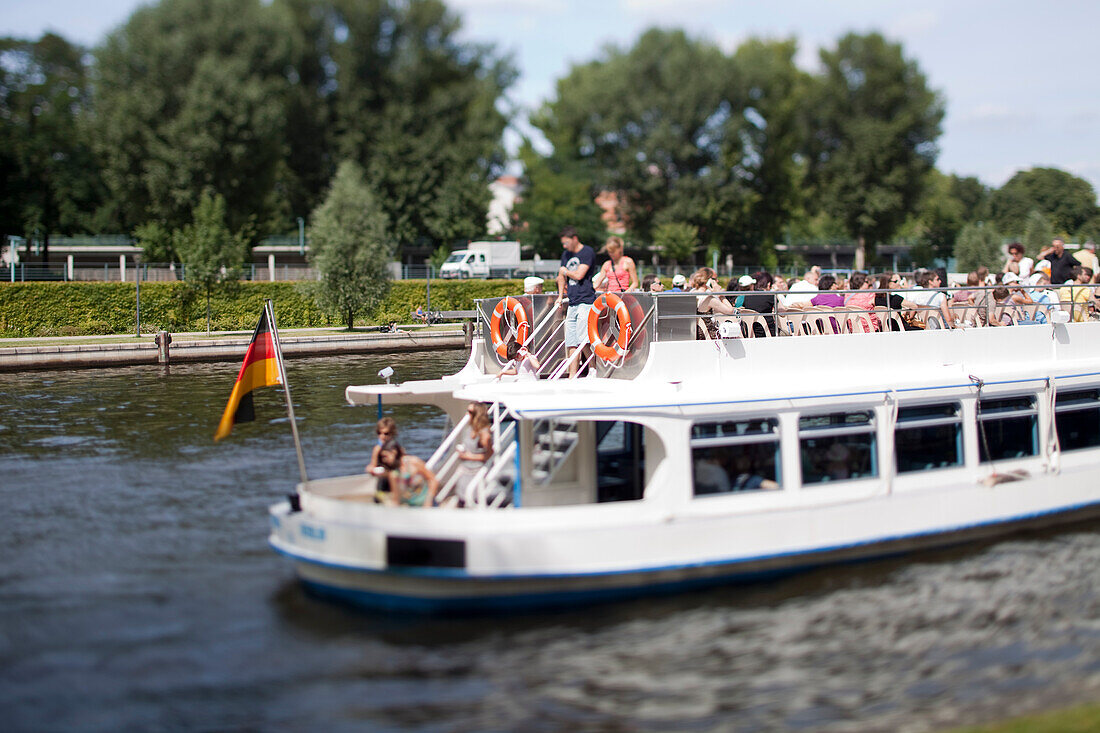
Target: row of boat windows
column 744, row 455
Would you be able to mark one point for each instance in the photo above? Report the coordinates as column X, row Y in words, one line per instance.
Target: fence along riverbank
column 90, row 352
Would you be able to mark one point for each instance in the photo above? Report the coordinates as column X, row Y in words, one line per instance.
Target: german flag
column 260, row 369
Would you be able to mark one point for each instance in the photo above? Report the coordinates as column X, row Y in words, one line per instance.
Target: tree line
column 209, row 115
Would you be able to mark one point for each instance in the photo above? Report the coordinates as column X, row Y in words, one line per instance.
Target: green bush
column 86, row 309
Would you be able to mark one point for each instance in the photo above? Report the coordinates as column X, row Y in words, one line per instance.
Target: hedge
column 84, row 309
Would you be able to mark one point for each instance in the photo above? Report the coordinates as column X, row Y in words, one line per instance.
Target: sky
column 1019, row 77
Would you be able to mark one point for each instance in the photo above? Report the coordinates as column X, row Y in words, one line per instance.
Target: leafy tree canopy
column 50, row 180
column 210, row 252
column 1067, row 201
column 874, row 130
column 1038, row 233
column 978, row 244
column 651, row 123
column 351, row 247
column 390, row 85
column 552, row 199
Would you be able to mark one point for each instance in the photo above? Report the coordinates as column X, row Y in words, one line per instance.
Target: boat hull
column 443, row 590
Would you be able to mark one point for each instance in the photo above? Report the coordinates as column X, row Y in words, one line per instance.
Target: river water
column 137, row 592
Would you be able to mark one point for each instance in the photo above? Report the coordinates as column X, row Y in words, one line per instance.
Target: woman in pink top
column 617, row 274
column 864, row 299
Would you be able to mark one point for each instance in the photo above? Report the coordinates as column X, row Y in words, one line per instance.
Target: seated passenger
column 411, row 482
column 893, row 301
column 1075, row 299
column 864, row 300
column 762, row 300
column 386, row 429
column 1005, row 305
column 474, row 451
column 520, row 361
column 925, row 293
column 652, row 284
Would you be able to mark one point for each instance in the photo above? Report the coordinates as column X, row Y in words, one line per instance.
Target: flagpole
column 286, row 388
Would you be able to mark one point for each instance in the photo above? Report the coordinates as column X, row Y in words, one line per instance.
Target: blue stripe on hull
column 537, row 601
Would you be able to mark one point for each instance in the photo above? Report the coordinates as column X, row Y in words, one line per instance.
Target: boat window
column 928, row 437
column 838, row 446
column 620, row 461
column 1007, row 428
column 733, row 456
column 1077, row 418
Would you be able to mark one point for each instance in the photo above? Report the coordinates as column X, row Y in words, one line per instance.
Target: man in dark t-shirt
column 1061, row 262
column 578, row 263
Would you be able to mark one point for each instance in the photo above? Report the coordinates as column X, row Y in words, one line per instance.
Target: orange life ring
column 523, row 327
column 619, row 348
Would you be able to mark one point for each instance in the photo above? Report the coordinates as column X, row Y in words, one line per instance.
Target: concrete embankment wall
column 184, row 349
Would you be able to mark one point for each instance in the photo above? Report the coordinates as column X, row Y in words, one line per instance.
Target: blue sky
column 1019, row 77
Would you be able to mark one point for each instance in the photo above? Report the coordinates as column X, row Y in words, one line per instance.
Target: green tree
column 211, row 254
column 873, row 137
column 978, row 244
column 552, row 199
column 768, row 120
column 391, row 85
column 155, row 241
column 663, row 143
column 1038, row 233
column 49, row 180
column 350, row 246
column 677, row 241
column 938, row 218
column 190, row 96
column 1066, row 200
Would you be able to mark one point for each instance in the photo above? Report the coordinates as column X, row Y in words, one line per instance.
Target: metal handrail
column 447, row 443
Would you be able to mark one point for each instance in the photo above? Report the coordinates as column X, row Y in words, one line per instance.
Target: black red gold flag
column 260, row 369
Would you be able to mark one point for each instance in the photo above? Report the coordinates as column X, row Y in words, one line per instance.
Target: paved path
column 85, row 351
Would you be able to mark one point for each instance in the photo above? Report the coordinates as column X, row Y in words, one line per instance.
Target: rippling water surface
column 137, row 591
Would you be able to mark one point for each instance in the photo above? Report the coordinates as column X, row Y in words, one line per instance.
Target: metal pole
column 429, row 306
column 286, row 390
column 301, row 236
column 137, row 310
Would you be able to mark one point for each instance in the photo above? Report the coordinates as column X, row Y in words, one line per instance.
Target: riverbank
column 24, row 354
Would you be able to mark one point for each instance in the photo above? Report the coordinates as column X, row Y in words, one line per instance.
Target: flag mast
column 286, row 388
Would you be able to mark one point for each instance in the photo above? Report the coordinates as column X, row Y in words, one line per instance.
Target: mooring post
column 162, row 340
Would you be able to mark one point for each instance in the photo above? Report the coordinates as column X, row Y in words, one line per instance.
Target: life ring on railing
column 523, row 326
column 619, row 348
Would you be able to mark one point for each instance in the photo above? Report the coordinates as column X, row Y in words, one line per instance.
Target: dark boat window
column 1007, row 428
column 928, row 437
column 620, row 461
column 735, row 456
column 1077, row 418
column 838, row 446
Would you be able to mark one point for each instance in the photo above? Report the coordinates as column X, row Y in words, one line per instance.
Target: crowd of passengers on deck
column 1023, row 292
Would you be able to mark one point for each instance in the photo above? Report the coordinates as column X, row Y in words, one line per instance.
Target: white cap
column 678, row 279
column 1090, row 245
column 1010, row 277
column 746, row 280
column 1034, row 279
column 530, row 283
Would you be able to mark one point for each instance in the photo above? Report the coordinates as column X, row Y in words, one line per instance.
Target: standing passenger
column 575, row 280
column 619, row 273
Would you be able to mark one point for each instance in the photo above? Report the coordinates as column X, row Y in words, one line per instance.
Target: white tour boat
column 678, row 462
